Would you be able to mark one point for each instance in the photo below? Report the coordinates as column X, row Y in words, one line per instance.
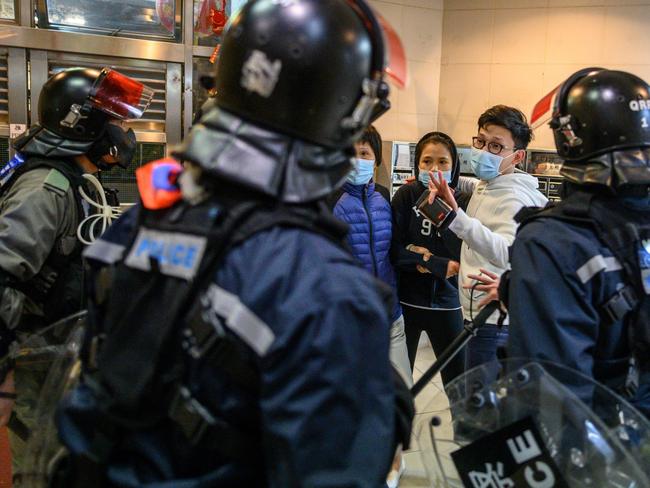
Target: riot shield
column 518, row 423
column 50, row 359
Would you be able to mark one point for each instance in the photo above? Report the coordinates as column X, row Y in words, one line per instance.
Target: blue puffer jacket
column 369, row 216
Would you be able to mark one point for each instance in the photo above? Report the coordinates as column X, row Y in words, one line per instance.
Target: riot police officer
column 79, row 131
column 234, row 341
column 578, row 289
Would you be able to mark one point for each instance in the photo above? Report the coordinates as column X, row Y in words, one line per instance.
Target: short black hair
column 509, row 118
column 371, row 137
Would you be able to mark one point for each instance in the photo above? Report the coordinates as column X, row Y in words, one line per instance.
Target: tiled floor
column 431, row 402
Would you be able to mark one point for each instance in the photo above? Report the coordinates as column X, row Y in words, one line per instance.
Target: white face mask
column 487, row 166
column 363, row 171
column 424, row 177
column 506, row 161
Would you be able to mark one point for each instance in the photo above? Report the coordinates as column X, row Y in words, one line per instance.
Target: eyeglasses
column 493, row 147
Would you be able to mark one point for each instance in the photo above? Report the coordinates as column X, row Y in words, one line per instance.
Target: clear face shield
column 519, row 423
column 543, row 110
column 120, row 96
column 547, row 111
column 389, row 61
column 395, row 64
column 117, row 95
column 51, row 354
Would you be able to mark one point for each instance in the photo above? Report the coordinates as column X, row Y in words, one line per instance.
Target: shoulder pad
column 158, row 183
column 56, row 182
column 530, row 213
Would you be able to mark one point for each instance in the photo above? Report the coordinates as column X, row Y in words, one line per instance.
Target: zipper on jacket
column 372, row 239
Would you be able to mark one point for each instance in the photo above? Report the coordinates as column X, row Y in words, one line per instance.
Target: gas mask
column 117, row 142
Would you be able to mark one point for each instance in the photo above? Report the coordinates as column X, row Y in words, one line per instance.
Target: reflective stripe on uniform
column 597, row 264
column 240, row 320
column 104, row 251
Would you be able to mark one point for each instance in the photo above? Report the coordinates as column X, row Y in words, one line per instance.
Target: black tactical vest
column 147, row 312
column 626, row 233
column 58, row 287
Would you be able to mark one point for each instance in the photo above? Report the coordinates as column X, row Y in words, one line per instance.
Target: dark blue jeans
column 482, row 348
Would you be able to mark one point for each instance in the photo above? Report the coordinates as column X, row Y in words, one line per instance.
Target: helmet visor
column 388, row 44
column 543, row 111
column 395, row 64
column 548, row 107
column 120, row 96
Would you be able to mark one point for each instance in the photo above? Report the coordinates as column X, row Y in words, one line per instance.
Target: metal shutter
column 4, row 88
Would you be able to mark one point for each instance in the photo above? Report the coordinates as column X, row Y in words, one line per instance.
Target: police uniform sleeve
column 32, row 216
column 328, row 400
column 551, row 314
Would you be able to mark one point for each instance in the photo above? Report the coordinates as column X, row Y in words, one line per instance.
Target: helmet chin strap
column 100, row 163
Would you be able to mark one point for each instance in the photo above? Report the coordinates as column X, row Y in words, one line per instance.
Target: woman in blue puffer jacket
column 365, row 207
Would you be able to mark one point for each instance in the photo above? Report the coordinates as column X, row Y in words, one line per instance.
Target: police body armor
column 626, row 233
column 58, row 286
column 163, row 275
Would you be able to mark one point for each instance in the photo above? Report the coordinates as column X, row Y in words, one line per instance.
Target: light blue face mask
column 363, row 171
column 485, row 165
column 424, row 177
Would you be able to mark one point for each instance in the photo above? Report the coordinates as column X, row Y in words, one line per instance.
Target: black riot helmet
column 76, row 107
column 297, row 82
column 311, row 69
column 601, row 123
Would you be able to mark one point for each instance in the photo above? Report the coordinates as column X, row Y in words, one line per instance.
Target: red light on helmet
column 120, row 96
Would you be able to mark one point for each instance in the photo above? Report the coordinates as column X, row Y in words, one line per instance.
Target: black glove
column 404, row 410
column 504, row 285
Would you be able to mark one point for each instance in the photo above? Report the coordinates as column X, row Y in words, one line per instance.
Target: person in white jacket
column 488, row 227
